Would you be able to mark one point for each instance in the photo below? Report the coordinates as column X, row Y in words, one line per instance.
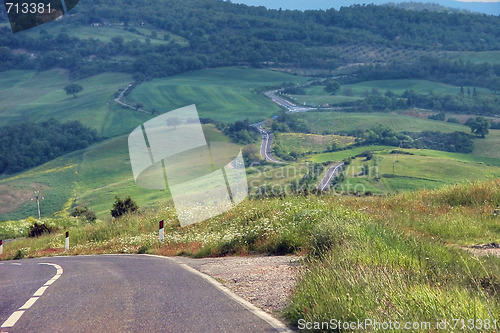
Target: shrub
column 38, row 229
column 19, row 255
column 125, row 206
column 84, row 213
column 144, row 249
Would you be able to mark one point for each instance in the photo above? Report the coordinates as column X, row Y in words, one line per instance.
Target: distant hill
column 492, row 8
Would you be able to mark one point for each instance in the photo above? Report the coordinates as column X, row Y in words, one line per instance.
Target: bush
column 38, row 229
column 121, row 207
column 84, row 213
column 19, row 255
column 144, row 249
column 323, row 238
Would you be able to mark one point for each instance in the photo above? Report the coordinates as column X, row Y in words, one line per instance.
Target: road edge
column 275, row 323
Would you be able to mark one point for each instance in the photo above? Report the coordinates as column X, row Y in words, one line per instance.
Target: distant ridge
column 420, row 6
column 491, row 8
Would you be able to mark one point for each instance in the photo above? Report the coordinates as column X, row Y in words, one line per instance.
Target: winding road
column 120, row 293
column 325, row 183
column 266, row 145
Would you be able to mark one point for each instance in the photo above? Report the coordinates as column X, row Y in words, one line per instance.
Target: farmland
column 224, row 94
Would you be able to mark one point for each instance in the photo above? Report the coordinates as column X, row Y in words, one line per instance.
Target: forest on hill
column 212, row 33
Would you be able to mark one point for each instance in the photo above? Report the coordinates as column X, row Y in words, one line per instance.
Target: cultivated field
column 321, row 122
column 225, row 94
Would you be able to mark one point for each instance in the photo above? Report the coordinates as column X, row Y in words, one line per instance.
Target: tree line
column 27, row 144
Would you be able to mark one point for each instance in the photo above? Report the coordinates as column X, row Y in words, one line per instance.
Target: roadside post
column 161, row 232
column 66, row 241
column 1, row 246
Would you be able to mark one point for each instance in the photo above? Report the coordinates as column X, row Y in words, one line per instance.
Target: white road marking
column 18, row 314
column 331, row 175
column 40, row 291
column 12, row 319
column 15, row 264
column 29, row 303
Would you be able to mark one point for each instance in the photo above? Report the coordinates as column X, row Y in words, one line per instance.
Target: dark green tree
column 123, row 206
column 332, row 87
column 479, row 126
column 73, row 89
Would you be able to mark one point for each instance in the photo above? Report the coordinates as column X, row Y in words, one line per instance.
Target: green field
column 224, row 94
column 493, row 57
column 489, row 146
column 319, row 99
column 38, row 96
column 399, row 87
column 315, row 94
column 310, row 143
column 92, row 177
column 342, row 154
column 321, row 122
column 425, row 169
column 106, row 32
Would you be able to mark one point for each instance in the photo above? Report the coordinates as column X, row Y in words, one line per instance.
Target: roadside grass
column 310, row 143
column 224, row 94
column 378, row 274
column 366, row 257
column 321, row 122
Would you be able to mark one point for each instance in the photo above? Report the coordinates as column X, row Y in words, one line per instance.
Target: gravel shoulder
column 267, row 282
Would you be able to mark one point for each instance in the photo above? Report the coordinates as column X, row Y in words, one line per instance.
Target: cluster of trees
column 431, row 68
column 456, row 142
column 26, row 145
column 240, row 131
column 285, row 122
column 220, row 33
column 472, row 101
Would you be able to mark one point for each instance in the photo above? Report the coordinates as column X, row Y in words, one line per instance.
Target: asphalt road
column 117, row 293
column 274, row 96
column 266, row 145
column 325, row 183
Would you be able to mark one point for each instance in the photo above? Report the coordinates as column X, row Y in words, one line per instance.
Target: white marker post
column 162, row 232
column 1, row 246
column 66, row 241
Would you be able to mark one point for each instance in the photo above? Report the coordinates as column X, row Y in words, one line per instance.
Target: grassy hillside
column 91, row 177
column 36, row 96
column 390, row 172
column 321, row 122
column 224, row 94
column 493, row 57
column 310, row 143
column 317, row 95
